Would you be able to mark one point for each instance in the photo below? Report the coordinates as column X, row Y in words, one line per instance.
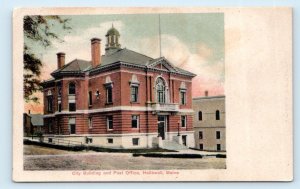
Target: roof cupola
column 112, row 40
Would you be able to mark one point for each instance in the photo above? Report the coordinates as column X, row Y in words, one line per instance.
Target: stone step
column 172, row 145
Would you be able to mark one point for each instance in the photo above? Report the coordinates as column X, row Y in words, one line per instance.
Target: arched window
column 160, row 90
column 72, row 89
column 200, row 116
column 217, row 115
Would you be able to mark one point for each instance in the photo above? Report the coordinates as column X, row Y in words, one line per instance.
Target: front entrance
column 161, row 123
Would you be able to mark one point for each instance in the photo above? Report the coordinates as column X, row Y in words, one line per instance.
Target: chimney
column 206, row 93
column 60, row 59
column 96, row 51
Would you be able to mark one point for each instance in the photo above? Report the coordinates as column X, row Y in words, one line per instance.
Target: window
column 110, row 141
column 183, row 121
column 72, row 90
column 200, row 116
column 90, row 98
column 218, row 147
column 50, row 103
column 59, row 91
column 135, row 141
column 135, row 121
column 72, row 106
column 72, row 125
column 90, row 123
column 134, row 93
column 50, row 126
column 201, row 147
column 182, row 97
column 200, row 135
column 218, row 134
column 217, row 115
column 160, row 91
column 59, row 106
column 109, row 95
column 109, row 122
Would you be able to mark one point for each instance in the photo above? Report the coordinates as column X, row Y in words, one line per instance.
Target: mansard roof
column 121, row 56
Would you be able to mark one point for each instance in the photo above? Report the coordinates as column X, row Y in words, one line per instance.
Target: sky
column 194, row 42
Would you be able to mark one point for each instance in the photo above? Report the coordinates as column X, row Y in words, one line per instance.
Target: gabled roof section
column 37, row 119
column 75, row 66
column 164, row 62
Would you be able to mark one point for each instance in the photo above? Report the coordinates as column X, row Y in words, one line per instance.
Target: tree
column 38, row 30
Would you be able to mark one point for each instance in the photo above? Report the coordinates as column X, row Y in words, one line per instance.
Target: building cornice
column 112, row 109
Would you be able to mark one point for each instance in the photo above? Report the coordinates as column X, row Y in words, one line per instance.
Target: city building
column 209, row 123
column 121, row 99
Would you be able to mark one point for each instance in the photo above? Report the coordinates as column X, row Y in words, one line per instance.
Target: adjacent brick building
column 209, row 123
column 122, row 99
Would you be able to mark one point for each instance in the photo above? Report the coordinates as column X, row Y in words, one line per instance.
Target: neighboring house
column 37, row 122
column 122, row 99
column 209, row 123
column 33, row 123
column 27, row 129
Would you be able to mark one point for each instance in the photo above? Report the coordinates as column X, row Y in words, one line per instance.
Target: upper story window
column 59, row 91
column 59, row 106
column 182, row 93
column 134, row 93
column 50, row 103
column 90, row 98
column 182, row 97
column 217, row 115
column 160, row 91
column 109, row 95
column 200, row 116
column 72, row 106
column 134, row 88
column 109, row 86
column 218, row 135
column 72, row 89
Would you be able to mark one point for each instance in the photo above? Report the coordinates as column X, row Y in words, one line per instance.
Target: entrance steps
column 173, row 145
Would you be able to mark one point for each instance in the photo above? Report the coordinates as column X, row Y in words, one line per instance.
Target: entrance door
column 184, row 140
column 161, row 126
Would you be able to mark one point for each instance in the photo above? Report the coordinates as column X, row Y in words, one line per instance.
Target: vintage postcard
column 152, row 94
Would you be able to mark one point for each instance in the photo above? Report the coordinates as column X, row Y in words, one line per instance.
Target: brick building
column 209, row 123
column 122, row 99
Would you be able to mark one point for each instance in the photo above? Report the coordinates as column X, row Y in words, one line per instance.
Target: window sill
column 134, row 102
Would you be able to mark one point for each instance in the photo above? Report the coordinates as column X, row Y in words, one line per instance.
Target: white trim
column 117, row 135
column 116, row 108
